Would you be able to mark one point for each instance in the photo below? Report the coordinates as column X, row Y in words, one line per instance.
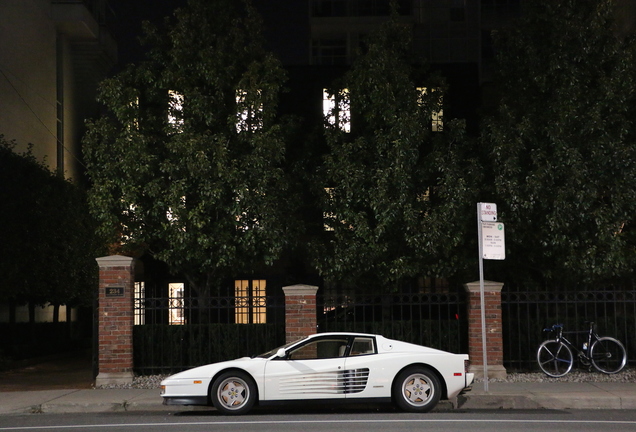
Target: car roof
column 342, row 334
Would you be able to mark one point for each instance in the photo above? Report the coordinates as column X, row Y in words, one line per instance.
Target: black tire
column 608, row 355
column 555, row 359
column 233, row 393
column 416, row 389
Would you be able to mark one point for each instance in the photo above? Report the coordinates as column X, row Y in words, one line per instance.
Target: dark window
column 342, row 8
column 458, row 10
column 329, row 51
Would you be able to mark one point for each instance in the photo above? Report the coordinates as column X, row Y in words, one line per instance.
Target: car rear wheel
column 416, row 389
column 233, row 393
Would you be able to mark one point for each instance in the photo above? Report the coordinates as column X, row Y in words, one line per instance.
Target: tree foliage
column 397, row 194
column 48, row 248
column 562, row 143
column 189, row 165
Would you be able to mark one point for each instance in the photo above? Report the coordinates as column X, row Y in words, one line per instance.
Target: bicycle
column 605, row 353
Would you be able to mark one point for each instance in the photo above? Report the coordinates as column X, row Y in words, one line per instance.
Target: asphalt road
column 329, row 421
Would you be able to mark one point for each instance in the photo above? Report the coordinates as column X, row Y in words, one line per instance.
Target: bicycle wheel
column 554, row 358
column 608, row 355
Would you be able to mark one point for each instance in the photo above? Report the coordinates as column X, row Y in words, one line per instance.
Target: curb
column 510, row 397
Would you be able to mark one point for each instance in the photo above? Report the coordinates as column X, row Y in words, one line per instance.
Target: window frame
column 336, row 109
column 250, row 307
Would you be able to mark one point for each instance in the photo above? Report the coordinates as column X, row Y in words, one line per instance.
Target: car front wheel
column 416, row 389
column 233, row 393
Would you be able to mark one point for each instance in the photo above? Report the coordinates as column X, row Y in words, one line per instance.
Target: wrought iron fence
column 526, row 314
column 176, row 333
column 435, row 320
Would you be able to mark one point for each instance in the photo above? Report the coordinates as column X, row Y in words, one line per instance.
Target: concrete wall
column 28, row 76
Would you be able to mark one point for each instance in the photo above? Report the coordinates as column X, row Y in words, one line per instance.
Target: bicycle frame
column 582, row 354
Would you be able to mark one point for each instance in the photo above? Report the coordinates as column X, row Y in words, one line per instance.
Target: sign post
column 491, row 241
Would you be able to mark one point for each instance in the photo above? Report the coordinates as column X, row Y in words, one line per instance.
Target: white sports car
column 326, row 367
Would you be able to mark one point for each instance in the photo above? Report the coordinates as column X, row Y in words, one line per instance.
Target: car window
column 319, row 349
column 362, row 346
column 270, row 353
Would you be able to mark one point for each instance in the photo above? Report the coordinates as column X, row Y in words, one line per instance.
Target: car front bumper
column 186, row 400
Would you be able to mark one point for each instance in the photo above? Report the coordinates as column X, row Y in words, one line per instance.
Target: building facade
column 52, row 56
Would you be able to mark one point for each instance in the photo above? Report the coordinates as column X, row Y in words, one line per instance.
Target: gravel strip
column 139, row 382
column 627, row 376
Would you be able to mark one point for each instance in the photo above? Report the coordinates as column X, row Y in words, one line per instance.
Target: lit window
column 140, row 303
column 329, row 218
column 249, row 115
column 336, row 109
column 437, row 116
column 129, row 212
column 424, row 197
column 172, row 214
column 175, row 110
column 176, row 313
column 134, row 105
column 250, row 301
column 246, row 219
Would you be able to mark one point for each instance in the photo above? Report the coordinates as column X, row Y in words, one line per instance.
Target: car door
column 313, row 370
column 365, row 374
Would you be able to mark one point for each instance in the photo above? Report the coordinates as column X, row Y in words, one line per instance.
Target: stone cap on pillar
column 489, row 286
column 114, row 261
column 113, row 378
column 300, row 290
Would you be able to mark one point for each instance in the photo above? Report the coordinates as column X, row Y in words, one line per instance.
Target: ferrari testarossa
column 323, row 367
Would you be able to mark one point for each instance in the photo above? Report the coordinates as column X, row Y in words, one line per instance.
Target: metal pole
column 482, row 299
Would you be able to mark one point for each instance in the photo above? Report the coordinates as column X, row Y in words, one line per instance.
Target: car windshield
column 270, row 353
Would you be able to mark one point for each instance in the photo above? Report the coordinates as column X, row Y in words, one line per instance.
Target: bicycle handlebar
column 553, row 328
column 560, row 326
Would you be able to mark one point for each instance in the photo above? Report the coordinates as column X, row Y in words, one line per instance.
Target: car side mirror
column 281, row 354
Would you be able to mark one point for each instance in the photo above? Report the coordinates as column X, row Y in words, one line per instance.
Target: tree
column 397, row 194
column 562, row 144
column 48, row 248
column 189, row 165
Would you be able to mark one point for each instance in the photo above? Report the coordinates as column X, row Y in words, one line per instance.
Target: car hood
column 208, row 370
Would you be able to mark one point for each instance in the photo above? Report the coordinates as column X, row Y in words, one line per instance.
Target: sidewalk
column 499, row 396
column 74, row 401
column 551, row 395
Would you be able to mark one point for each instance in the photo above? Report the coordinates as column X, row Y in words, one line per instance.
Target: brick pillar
column 300, row 311
column 494, row 335
column 115, row 320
